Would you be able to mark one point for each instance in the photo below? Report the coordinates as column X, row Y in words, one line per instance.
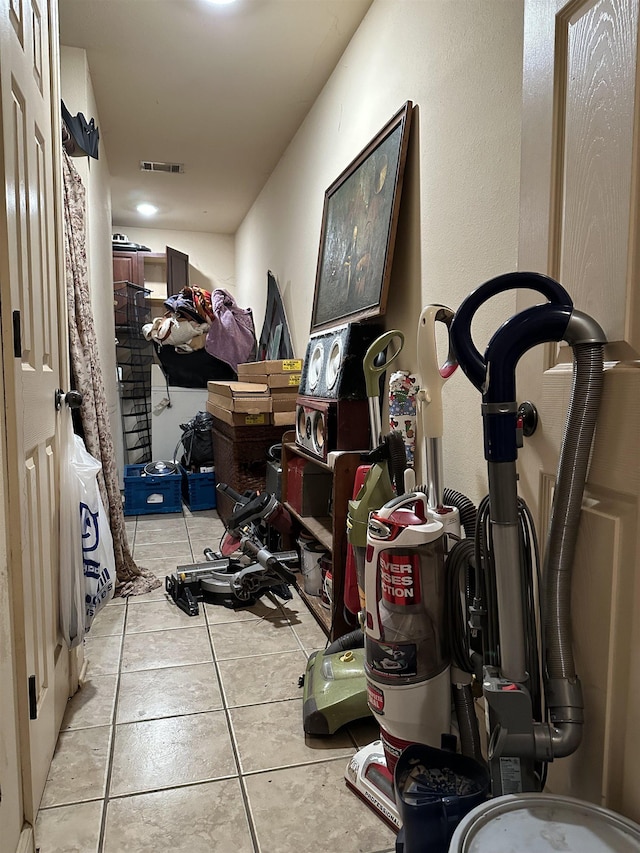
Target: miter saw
column 244, row 568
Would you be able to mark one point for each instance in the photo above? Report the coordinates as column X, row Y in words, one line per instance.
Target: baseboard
column 26, row 841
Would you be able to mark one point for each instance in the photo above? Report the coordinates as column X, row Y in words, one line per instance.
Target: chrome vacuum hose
column 563, row 733
column 588, row 381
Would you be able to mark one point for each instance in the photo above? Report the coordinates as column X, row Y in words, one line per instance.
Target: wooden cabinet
column 128, row 266
column 330, row 530
column 161, row 273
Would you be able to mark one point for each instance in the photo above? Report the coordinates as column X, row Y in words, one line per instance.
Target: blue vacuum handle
column 468, row 357
column 494, row 373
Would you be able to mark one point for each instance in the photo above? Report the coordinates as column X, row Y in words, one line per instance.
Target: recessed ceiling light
column 146, row 209
column 221, row 2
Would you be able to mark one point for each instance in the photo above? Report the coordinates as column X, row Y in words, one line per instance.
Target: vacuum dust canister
column 406, row 654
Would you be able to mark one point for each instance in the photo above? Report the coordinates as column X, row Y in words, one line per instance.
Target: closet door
column 34, row 361
column 177, row 270
column 579, row 223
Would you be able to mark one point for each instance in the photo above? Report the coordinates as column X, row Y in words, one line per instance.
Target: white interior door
column 33, row 301
column 11, row 810
column 579, row 223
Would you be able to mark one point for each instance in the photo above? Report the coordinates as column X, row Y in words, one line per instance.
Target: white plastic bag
column 87, row 562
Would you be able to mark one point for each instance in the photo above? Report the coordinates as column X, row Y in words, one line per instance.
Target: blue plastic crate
column 145, row 493
column 199, row 490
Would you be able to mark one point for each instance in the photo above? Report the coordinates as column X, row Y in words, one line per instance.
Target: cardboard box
column 266, row 368
column 283, row 418
column 284, row 403
column 238, row 418
column 249, row 405
column 288, row 393
column 273, row 380
column 238, row 389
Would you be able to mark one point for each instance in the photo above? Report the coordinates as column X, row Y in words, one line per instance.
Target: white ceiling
column 222, row 89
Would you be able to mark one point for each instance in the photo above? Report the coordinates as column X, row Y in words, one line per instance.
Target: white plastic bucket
column 544, row 823
column 311, row 554
column 326, row 596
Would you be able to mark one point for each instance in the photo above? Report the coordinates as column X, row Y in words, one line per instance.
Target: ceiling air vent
column 172, row 168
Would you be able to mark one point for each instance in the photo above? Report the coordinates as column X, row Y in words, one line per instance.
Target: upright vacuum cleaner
column 534, row 715
column 335, row 687
column 378, row 481
column 534, row 709
column 407, row 658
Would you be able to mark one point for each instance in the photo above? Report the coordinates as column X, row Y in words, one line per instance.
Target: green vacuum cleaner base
column 335, row 691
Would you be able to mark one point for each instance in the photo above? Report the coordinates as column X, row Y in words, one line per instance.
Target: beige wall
column 211, row 256
column 77, row 93
column 459, row 61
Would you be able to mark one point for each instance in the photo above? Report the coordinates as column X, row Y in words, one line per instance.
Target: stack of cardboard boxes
column 265, row 393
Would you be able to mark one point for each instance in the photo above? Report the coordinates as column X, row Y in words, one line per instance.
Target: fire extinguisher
column 406, row 660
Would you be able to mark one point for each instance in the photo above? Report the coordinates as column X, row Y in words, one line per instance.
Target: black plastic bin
column 434, row 790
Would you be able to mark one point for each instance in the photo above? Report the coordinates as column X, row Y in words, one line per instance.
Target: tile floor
column 187, row 733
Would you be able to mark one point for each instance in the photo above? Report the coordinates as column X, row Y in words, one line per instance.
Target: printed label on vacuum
column 391, row 747
column 510, row 776
column 392, row 660
column 400, row 578
column 380, row 806
column 375, row 698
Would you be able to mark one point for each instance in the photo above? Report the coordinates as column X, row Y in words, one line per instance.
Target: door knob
column 73, row 399
column 528, row 413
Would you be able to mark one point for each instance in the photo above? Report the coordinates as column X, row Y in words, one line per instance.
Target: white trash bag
column 87, row 562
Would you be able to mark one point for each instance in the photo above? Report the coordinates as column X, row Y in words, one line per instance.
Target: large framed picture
column 359, row 223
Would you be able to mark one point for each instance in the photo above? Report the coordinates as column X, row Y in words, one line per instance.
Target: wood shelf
column 296, row 450
column 331, row 531
column 320, row 528
column 321, row 613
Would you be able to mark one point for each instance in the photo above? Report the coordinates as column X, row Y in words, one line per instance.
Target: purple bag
column 231, row 337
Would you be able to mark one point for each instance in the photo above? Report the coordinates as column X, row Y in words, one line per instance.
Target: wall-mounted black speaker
column 333, row 362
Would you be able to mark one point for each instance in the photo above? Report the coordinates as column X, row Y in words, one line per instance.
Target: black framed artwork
column 359, row 223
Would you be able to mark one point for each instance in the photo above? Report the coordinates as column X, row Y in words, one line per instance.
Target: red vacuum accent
column 351, row 595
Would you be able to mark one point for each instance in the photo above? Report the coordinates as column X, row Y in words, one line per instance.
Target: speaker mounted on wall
column 332, row 367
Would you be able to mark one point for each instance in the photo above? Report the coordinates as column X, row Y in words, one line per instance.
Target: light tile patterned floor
column 187, row 734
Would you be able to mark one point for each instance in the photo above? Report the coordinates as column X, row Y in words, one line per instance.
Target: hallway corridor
column 186, row 736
